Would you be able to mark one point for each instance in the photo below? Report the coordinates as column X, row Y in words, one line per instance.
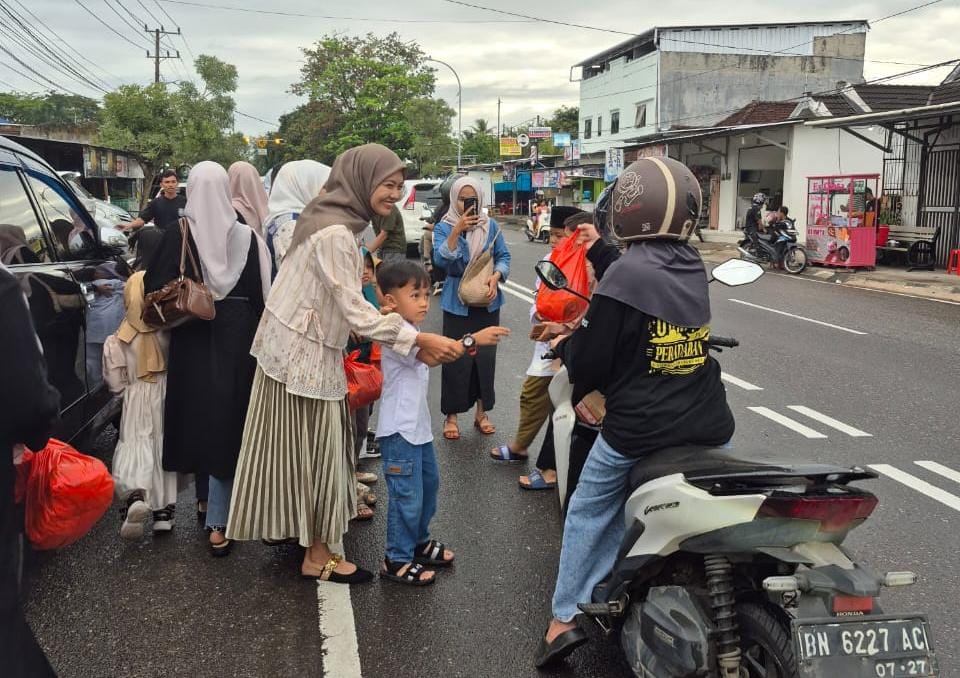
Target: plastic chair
column 953, row 262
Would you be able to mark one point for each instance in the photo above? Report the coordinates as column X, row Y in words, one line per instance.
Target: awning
column 888, row 117
column 704, row 133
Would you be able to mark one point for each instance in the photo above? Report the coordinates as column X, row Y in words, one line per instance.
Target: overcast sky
column 526, row 64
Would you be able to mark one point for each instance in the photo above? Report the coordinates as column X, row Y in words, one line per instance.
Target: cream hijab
column 222, row 242
column 249, row 195
column 477, row 236
column 297, row 183
column 345, row 199
column 150, row 360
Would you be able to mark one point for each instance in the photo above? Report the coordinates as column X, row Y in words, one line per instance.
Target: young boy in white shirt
column 405, row 433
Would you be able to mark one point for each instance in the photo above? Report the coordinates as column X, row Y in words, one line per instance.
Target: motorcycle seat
column 723, row 467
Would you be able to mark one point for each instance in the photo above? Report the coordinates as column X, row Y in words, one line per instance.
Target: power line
column 7, row 84
column 24, row 75
column 147, row 10
column 38, row 54
column 36, row 73
column 108, row 26
column 334, row 18
column 165, row 12
column 253, row 117
column 529, row 18
column 122, row 18
column 183, row 37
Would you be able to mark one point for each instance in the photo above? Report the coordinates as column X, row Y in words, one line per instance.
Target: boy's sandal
column 359, row 576
column 536, row 481
column 431, row 553
column 364, row 513
column 368, row 478
column 451, row 431
column 365, row 496
column 484, row 426
column 504, row 453
column 412, row 576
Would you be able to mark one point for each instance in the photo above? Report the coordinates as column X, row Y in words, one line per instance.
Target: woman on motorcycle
column 643, row 344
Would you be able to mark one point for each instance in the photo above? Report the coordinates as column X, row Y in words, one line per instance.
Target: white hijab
column 476, row 236
column 296, row 184
column 222, row 242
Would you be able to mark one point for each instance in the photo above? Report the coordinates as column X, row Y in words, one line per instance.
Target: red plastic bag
column 364, row 381
column 559, row 306
column 66, row 494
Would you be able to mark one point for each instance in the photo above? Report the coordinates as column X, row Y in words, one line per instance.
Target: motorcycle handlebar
column 722, row 342
column 550, row 355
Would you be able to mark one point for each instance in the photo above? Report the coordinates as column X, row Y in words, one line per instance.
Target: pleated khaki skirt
column 295, row 475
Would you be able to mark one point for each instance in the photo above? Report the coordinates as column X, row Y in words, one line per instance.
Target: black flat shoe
column 280, row 542
column 360, row 576
column 222, row 549
column 551, row 654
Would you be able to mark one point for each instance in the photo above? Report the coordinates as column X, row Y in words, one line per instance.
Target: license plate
column 865, row 647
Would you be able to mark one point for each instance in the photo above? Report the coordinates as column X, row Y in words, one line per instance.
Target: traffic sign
column 261, row 151
column 523, row 140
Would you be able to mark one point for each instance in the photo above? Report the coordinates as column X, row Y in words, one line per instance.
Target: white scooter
column 732, row 565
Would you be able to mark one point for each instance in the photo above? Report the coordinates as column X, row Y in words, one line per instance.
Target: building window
column 599, row 125
column 640, row 121
column 587, row 128
column 614, row 122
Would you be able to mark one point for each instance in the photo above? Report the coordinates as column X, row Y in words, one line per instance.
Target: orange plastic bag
column 66, row 494
column 560, row 306
column 364, row 381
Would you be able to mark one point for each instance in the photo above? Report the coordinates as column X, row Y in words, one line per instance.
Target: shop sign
column 614, row 164
column 509, row 172
column 537, row 179
column 561, row 139
column 551, row 179
column 510, row 147
column 540, row 132
column 572, row 152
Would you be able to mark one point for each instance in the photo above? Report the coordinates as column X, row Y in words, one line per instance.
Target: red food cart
column 842, row 220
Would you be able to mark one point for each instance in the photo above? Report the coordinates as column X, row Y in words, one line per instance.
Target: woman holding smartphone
column 463, row 235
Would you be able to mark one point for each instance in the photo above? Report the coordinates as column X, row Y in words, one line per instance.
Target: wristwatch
column 470, row 343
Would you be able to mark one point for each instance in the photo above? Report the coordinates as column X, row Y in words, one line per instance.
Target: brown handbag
column 183, row 298
column 473, row 288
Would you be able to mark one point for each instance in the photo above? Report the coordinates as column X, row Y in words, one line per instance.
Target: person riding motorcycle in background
column 753, row 222
column 643, row 344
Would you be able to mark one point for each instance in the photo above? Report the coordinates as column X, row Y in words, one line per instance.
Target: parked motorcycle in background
column 538, row 227
column 733, row 565
column 778, row 246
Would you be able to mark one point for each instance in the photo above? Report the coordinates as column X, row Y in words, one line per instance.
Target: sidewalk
column 932, row 285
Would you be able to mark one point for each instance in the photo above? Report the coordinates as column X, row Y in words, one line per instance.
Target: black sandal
column 431, row 553
column 358, row 576
column 411, row 577
column 551, row 654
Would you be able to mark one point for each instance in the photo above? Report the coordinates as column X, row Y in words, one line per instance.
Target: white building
column 692, row 76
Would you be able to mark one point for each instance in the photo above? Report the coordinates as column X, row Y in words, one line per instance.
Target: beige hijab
column 476, row 236
column 345, row 198
column 150, row 360
column 249, row 195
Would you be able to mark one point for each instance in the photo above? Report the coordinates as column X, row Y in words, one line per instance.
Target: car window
column 72, row 236
column 21, row 238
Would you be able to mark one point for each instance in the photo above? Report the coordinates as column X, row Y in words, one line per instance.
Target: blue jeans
column 593, row 530
column 218, row 503
column 413, row 481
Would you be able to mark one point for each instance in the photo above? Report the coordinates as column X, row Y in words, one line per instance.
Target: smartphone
column 537, row 330
column 471, row 202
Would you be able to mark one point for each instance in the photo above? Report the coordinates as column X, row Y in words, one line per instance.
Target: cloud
column 526, row 65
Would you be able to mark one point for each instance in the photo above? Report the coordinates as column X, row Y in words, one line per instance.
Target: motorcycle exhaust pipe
column 748, row 255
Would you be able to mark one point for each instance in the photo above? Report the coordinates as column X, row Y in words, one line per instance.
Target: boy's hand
column 491, row 336
column 587, row 234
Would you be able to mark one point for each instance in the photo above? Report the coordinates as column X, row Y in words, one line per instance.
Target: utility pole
column 499, row 131
column 156, row 56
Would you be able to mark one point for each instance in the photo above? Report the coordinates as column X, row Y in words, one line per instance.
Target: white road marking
column 798, row 317
column 940, row 469
column 341, row 654
column 518, row 295
column 864, row 289
column 745, row 385
column 921, row 486
column 791, row 424
column 519, row 288
column 831, row 422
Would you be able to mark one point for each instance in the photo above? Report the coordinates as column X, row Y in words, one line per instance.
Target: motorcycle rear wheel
column 767, row 650
column 795, row 260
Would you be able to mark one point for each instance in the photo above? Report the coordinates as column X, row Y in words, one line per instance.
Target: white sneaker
column 137, row 514
column 369, row 453
column 163, row 521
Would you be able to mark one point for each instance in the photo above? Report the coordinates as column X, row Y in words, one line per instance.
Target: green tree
column 481, row 128
column 171, row 126
column 429, row 119
column 565, row 119
column 484, row 148
column 358, row 90
column 51, row 108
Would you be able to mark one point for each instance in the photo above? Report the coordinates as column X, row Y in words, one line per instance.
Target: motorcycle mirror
column 551, row 275
column 736, row 272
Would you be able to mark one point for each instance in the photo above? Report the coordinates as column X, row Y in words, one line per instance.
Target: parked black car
column 51, row 244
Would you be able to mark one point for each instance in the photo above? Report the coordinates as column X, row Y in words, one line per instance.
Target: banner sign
column 614, row 164
column 561, row 139
column 537, row 179
column 572, row 152
column 540, row 132
column 509, row 147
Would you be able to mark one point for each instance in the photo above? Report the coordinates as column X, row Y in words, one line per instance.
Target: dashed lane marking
column 519, row 288
column 789, row 423
column 830, row 421
column 745, row 385
column 798, row 317
column 519, row 295
column 921, row 486
column 940, row 469
column 338, row 630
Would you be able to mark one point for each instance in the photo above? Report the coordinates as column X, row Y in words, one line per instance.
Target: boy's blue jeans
column 413, row 481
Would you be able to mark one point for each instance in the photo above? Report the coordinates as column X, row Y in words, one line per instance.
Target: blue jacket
column 455, row 263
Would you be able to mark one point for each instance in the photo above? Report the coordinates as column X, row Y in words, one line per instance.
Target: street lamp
column 459, row 109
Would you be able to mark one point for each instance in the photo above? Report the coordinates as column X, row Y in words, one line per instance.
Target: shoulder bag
column 473, row 290
column 183, row 298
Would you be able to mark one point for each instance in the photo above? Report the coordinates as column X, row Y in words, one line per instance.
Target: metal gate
column 941, row 199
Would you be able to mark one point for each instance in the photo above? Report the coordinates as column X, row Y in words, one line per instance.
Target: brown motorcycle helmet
column 655, row 198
